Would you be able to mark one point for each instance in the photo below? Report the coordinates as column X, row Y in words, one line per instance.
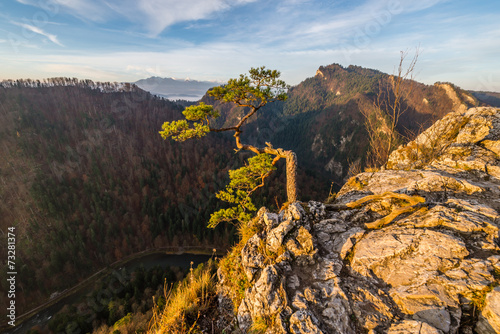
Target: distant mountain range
column 489, row 98
column 174, row 89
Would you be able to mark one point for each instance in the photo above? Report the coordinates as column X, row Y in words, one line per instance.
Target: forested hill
column 106, row 87
column 323, row 120
column 489, row 98
column 86, row 180
column 327, row 115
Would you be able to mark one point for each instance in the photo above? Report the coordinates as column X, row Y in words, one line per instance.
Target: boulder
column 489, row 319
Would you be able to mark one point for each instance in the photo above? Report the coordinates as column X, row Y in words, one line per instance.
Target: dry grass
column 194, row 296
column 332, row 195
column 260, row 325
column 355, row 183
column 231, row 268
column 184, row 303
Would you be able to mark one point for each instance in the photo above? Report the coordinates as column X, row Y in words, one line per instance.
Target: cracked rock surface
column 429, row 264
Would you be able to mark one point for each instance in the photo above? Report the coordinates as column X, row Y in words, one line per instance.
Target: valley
column 87, row 180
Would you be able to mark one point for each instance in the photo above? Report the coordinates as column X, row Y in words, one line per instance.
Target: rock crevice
column 354, row 266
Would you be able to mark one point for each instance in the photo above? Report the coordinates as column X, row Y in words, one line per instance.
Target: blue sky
column 127, row 40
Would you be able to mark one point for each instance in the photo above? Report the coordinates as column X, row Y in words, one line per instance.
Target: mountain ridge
column 323, row 120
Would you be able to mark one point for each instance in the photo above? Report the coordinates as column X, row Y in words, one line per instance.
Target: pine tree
column 252, row 92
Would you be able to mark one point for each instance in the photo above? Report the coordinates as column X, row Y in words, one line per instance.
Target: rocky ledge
column 413, row 248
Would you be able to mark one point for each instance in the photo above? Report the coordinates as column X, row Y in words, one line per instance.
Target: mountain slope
column 489, row 98
column 337, row 100
column 323, row 120
column 87, row 180
column 85, row 168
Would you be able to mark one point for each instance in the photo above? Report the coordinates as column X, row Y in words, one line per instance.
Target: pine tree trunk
column 291, row 176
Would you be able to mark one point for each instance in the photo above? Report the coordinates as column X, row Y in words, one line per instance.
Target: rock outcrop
column 413, row 248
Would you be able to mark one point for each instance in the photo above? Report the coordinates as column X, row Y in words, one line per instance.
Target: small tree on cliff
column 253, row 91
column 382, row 122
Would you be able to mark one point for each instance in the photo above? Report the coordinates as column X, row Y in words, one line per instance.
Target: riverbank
column 131, row 261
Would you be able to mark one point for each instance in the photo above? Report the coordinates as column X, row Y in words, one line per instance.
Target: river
column 147, row 261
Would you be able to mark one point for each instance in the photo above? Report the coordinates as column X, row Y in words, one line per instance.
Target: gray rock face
column 408, row 249
column 303, row 322
column 276, row 236
column 251, row 258
column 413, row 327
column 489, row 319
column 264, row 299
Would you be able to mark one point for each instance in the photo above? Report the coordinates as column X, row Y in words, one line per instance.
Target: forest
column 87, row 180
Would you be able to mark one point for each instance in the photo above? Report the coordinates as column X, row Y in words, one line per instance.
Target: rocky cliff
column 412, row 248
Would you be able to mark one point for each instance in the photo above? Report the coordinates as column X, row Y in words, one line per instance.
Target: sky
column 458, row 41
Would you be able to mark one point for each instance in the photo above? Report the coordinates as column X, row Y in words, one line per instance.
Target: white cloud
column 288, row 6
column 85, row 9
column 90, row 10
column 297, row 40
column 220, row 61
column 153, row 15
column 331, row 25
column 157, row 15
column 144, row 71
column 409, row 6
column 36, row 30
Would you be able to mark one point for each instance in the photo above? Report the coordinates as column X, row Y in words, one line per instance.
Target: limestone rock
column 295, row 211
column 303, row 248
column 303, row 322
column 406, row 255
column 293, row 282
column 334, row 305
column 264, row 299
column 276, row 236
column 413, row 327
column 317, row 209
column 344, row 242
column 389, row 263
column 305, row 240
column 330, row 226
column 271, row 220
column 438, row 317
column 370, row 307
column 489, row 319
column 251, row 259
column 456, row 136
column 327, row 268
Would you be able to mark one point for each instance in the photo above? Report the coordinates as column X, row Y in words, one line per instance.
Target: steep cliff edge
column 413, row 248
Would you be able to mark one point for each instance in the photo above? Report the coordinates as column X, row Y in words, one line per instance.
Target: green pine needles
column 244, row 181
column 199, row 115
column 251, row 92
